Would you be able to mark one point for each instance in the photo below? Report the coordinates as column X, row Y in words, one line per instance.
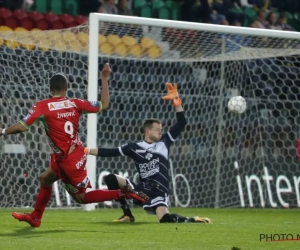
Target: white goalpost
column 93, row 94
column 220, row 160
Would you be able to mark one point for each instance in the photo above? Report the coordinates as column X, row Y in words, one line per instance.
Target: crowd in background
column 120, row 7
column 210, row 11
column 219, row 12
column 16, row 4
column 207, row 11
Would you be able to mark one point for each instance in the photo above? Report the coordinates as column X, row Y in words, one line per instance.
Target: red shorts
column 71, row 170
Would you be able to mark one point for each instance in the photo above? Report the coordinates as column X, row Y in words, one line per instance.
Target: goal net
column 220, row 160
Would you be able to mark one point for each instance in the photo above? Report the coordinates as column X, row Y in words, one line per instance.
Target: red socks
column 41, row 202
column 96, row 196
column 90, row 197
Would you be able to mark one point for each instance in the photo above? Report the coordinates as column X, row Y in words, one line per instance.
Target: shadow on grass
column 30, row 232
column 36, row 232
column 111, row 223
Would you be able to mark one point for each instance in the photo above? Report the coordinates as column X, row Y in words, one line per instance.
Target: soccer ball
column 237, row 105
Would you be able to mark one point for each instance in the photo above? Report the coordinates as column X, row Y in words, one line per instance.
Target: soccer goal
column 221, row 159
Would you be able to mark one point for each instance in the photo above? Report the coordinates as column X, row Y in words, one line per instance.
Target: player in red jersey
column 60, row 117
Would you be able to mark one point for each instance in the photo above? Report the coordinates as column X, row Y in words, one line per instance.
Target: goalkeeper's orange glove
column 172, row 94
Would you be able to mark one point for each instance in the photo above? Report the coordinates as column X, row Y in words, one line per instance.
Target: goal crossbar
column 194, row 26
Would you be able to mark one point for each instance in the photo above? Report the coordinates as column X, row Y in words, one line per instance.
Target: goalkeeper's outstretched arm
column 123, row 150
column 173, row 96
column 103, row 152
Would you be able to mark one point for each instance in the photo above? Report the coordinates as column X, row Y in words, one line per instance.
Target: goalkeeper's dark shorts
column 157, row 196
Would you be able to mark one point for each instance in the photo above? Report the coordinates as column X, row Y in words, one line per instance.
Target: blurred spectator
column 218, row 11
column 260, row 4
column 123, row 8
column 282, row 22
column 236, row 3
column 272, row 21
column 16, row 4
column 223, row 7
column 191, row 10
column 108, row 7
column 27, row 4
column 86, row 7
column 291, row 6
column 210, row 11
column 244, row 3
column 260, row 21
column 233, row 16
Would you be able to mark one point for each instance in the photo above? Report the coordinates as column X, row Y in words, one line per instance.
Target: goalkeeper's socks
column 173, row 218
column 126, row 209
column 41, row 202
column 179, row 218
column 99, row 195
column 112, row 184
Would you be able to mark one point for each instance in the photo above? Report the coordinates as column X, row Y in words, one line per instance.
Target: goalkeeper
column 151, row 157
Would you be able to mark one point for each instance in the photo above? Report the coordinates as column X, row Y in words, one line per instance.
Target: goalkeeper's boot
column 129, row 193
column 125, row 218
column 198, row 219
column 34, row 222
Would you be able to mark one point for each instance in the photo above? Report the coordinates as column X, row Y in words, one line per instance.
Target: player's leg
column 164, row 216
column 47, row 178
column 77, row 182
column 159, row 205
column 115, row 182
column 80, row 195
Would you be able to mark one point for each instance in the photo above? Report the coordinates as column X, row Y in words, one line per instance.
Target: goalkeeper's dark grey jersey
column 151, row 159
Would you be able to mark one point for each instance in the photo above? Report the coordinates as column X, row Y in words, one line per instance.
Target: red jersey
column 60, row 117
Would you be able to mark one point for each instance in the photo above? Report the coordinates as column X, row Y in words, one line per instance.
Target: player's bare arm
column 14, row 129
column 104, row 80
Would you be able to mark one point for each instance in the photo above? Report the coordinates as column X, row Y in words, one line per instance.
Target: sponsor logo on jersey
column 61, row 105
column 94, row 103
column 76, row 140
column 140, row 151
column 150, row 168
column 64, row 115
column 148, row 156
column 80, row 163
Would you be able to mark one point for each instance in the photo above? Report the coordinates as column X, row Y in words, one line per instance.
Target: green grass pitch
column 75, row 229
